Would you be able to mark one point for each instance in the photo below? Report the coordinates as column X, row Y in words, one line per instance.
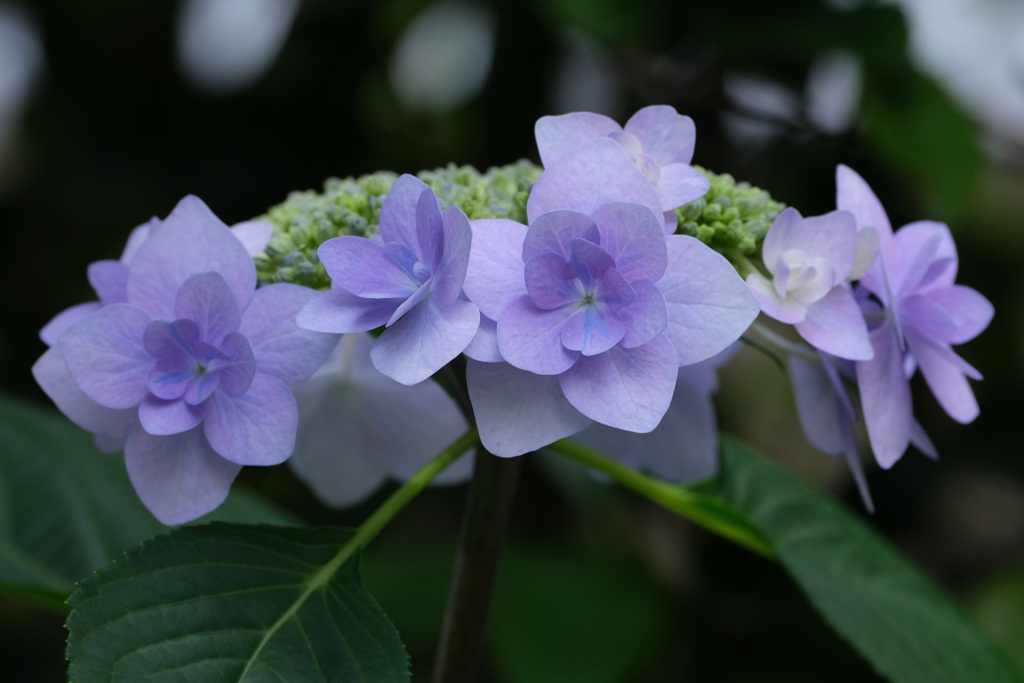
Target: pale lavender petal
column 783, row 309
column 833, row 237
column 646, row 317
column 236, row 372
column 679, row 184
column 398, row 213
column 836, row 325
column 922, row 442
column 530, row 338
column 817, row 405
column 163, row 418
column 920, row 256
column 451, row 271
column 365, row 269
column 282, row 348
column 206, row 300
column 928, row 317
column 109, row 279
column 555, row 231
column 885, row 397
column 484, row 345
column 419, row 296
column 671, row 222
column 425, row 340
column 547, row 284
column 667, row 137
column 430, row 229
column 191, row 240
column 624, row 388
column 494, row 276
column 256, row 428
column 105, row 355
column 852, row 455
column 597, row 173
column 558, row 135
column 592, row 331
column 704, row 374
column 854, row 195
column 65, row 319
column 338, row 311
column 944, row 372
column 634, row 238
column 781, row 236
column 52, row 375
column 254, row 235
column 709, row 306
column 971, row 311
column 867, row 253
column 629, row 142
column 137, row 238
column 517, row 411
column 178, row 478
column 593, row 268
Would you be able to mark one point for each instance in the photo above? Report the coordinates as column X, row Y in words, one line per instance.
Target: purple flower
column 347, row 444
column 409, row 281
column 656, row 140
column 593, row 315
column 810, row 260
column 919, row 314
column 191, row 368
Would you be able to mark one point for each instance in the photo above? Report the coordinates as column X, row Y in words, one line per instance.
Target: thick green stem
column 476, row 567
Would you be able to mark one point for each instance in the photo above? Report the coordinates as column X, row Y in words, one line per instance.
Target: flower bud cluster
column 731, row 216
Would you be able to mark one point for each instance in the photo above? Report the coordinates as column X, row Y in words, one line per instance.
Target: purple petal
column 970, row 310
column 206, row 300
column 854, row 195
column 784, row 309
column 137, row 238
column 256, row 428
column 530, row 338
column 634, row 238
column 818, row 405
column 52, row 374
column 592, row 331
column 922, row 255
column 592, row 266
column 236, row 372
column 179, row 478
column 709, row 306
column 65, row 319
column 419, row 296
column 430, row 229
column 494, row 276
column 364, row 268
column 646, row 317
column 559, row 135
column 928, row 317
column 666, row 136
column 425, row 340
column 547, row 283
column 163, row 418
column 484, row 345
column 832, row 237
column 554, row 233
column 944, row 372
column 780, row 237
column 679, row 184
column 338, row 311
column 451, row 271
column 517, row 411
column 885, row 397
column 282, row 348
column 836, row 325
column 109, row 279
column 597, row 173
column 254, row 235
column 104, row 354
column 398, row 213
column 624, row 388
column 190, row 241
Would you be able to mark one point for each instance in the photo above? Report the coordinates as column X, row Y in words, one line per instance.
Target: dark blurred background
column 112, row 111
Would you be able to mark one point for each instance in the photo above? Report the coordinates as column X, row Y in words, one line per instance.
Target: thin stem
column 784, row 345
column 483, row 531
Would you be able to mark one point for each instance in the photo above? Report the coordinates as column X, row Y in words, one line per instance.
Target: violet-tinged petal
column 646, row 317
column 254, row 235
column 680, row 184
column 52, row 375
column 558, row 135
column 547, row 284
column 282, row 348
column 518, row 411
column 928, row 317
column 190, row 241
column 206, row 300
column 836, row 325
column 137, row 238
column 65, row 319
column 782, row 235
column 971, row 311
column 807, row 278
column 555, row 231
column 530, row 338
column 709, row 306
column 591, row 265
column 236, row 372
column 885, row 397
column 667, row 137
column 633, row 237
column 419, row 296
column 494, row 275
column 592, row 331
column 671, row 222
column 867, row 253
column 787, row 310
column 365, row 269
column 429, row 229
column 398, row 213
column 818, row 405
column 425, row 340
column 450, row 273
column 176, row 340
column 921, row 442
column 597, row 173
column 256, row 428
column 624, row 388
column 178, row 478
column 913, row 254
column 629, row 142
column 944, row 372
column 484, row 345
column 163, row 418
column 109, row 279
column 832, row 237
column 105, row 356
column 852, row 455
column 854, row 195
column 337, row 311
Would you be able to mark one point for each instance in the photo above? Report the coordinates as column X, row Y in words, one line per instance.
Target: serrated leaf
column 888, row 610
column 66, row 509
column 239, row 603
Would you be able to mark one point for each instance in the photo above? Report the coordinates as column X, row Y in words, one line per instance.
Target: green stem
column 703, row 509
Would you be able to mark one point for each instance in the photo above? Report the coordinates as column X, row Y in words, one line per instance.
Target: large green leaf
column 66, row 509
column 239, row 603
column 895, row 616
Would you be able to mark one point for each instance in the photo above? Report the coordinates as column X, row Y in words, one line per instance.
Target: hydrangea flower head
column 810, row 260
column 193, row 365
column 410, row 281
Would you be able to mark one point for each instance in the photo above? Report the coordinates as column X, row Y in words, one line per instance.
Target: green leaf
column 896, row 617
column 998, row 605
column 66, row 509
column 239, row 603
